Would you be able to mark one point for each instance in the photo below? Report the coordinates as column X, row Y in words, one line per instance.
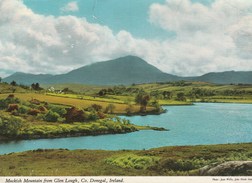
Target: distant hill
column 227, row 77
column 125, row 70
column 27, row 79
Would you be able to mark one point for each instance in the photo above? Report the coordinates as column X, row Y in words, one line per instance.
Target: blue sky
column 181, row 37
column 129, row 15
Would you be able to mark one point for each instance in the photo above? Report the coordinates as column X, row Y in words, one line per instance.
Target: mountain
column 126, row 70
column 228, row 77
column 27, row 79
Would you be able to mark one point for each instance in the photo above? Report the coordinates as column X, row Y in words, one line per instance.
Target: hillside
column 27, row 79
column 126, row 70
column 226, row 77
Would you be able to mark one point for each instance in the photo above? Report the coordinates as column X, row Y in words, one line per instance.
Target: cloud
column 70, row 7
column 208, row 38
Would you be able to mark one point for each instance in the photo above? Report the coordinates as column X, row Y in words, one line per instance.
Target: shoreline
column 78, row 134
column 196, row 160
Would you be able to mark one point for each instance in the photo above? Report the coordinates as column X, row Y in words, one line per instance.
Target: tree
column 102, row 92
column 142, row 99
column 1, row 80
column 51, row 116
column 110, row 108
column 157, row 106
column 129, row 110
column 167, row 94
column 181, row 96
column 13, row 83
column 10, row 126
column 35, row 86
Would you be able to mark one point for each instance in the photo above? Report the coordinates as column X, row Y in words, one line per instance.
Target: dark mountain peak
column 130, row 58
column 126, row 70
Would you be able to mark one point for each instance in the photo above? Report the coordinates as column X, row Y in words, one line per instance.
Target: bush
column 133, row 161
column 23, row 109
column 178, row 165
column 12, row 107
column 10, row 125
column 94, row 107
column 42, row 109
column 58, row 109
column 110, row 108
column 75, row 115
column 33, row 112
column 93, row 116
column 51, row 116
column 4, row 103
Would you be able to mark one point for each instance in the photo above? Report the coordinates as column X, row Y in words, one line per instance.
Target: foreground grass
column 165, row 161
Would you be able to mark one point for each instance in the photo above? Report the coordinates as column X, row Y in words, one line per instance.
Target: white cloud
column 209, row 38
column 70, row 7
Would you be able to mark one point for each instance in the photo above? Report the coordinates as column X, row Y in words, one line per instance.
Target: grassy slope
column 168, row 87
column 179, row 160
column 79, row 88
column 6, row 88
column 202, row 85
column 81, row 103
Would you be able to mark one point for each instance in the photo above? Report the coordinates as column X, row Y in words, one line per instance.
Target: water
column 202, row 123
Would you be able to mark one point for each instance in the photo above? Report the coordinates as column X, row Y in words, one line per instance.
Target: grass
column 80, row 103
column 78, row 88
column 86, row 97
column 6, row 88
column 165, row 161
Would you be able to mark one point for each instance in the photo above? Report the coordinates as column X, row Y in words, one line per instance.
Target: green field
column 211, row 92
column 73, row 100
column 165, row 161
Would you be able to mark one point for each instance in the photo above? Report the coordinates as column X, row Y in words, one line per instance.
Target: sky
column 181, row 37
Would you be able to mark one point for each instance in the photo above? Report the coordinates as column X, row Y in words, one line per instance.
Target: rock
column 231, row 168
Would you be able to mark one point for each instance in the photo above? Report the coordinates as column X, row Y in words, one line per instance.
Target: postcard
column 104, row 91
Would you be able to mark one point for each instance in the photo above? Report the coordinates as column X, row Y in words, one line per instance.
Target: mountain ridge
column 126, row 70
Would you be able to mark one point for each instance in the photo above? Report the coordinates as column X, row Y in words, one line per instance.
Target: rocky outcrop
column 231, row 168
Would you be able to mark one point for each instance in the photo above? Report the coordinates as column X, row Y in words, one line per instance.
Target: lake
column 202, row 123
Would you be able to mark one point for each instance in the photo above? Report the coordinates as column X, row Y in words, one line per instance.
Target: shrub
column 75, row 115
column 133, row 161
column 10, row 126
column 129, row 110
column 58, row 109
column 12, row 107
column 4, row 103
column 94, row 107
column 35, row 102
column 23, row 109
column 110, row 108
column 93, row 116
column 42, row 109
column 51, row 116
column 33, row 112
column 178, row 165
column 101, row 115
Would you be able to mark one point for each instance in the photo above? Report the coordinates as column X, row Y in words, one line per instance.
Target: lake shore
column 163, row 161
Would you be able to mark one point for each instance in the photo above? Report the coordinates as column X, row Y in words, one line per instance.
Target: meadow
column 165, row 161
